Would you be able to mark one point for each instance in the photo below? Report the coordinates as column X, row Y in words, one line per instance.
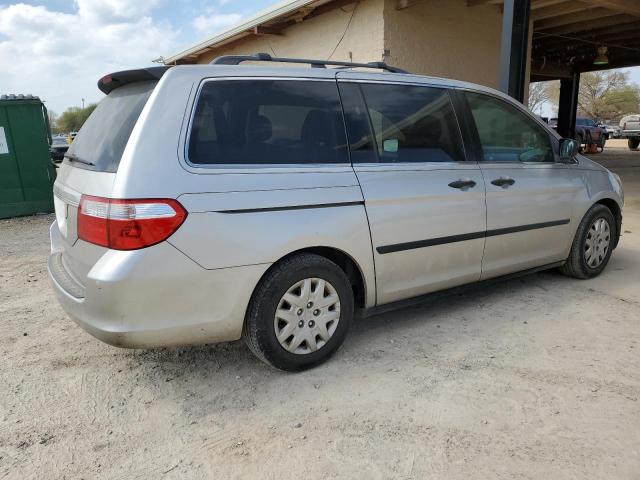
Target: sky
column 58, row 49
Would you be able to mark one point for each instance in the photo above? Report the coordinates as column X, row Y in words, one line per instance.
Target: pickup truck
column 610, row 131
column 630, row 126
column 589, row 133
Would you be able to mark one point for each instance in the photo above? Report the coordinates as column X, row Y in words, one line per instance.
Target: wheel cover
column 307, row 316
column 596, row 245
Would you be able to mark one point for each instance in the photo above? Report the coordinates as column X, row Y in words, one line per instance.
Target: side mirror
column 569, row 148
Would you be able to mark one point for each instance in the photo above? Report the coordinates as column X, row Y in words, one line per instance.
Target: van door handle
column 463, row 184
column 504, row 182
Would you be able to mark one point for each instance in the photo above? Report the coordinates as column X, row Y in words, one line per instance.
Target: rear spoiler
column 109, row 83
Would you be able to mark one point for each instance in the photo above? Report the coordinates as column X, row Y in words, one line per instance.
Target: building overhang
column 268, row 22
column 567, row 35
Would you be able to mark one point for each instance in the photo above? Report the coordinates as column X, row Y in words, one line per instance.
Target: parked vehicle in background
column 589, row 133
column 553, row 123
column 58, row 148
column 630, row 126
column 71, row 137
column 610, row 131
column 284, row 199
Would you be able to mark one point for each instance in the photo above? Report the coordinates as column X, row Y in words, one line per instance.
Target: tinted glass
column 361, row 141
column 268, row 122
column 413, row 124
column 506, row 133
column 105, row 134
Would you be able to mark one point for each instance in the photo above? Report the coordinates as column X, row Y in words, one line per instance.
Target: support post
column 513, row 51
column 568, row 105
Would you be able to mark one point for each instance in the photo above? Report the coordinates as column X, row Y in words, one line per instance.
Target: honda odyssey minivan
column 209, row 203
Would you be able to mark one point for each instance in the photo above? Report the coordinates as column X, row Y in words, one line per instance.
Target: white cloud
column 211, row 22
column 60, row 56
column 103, row 11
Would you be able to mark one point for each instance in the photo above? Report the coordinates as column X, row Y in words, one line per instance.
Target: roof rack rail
column 265, row 57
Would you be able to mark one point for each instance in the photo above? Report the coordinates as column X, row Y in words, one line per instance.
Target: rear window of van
column 249, row 122
column 104, row 136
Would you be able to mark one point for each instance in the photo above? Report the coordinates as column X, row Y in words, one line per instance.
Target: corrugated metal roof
column 245, row 27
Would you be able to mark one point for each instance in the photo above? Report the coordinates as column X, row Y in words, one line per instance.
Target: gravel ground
column 528, row 378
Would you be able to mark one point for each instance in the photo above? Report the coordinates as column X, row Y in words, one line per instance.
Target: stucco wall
column 318, row 36
column 445, row 38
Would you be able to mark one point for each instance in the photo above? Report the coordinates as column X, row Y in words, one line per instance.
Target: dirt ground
column 537, row 377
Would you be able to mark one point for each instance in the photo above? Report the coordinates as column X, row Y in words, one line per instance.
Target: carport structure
column 565, row 38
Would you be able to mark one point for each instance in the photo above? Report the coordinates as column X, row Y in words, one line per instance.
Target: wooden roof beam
column 559, row 10
column 582, row 28
column 537, row 4
column 630, row 7
column 584, row 16
column 541, row 41
column 475, row 3
column 268, row 30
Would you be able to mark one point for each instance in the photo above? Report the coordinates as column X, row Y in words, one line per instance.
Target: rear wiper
column 74, row 158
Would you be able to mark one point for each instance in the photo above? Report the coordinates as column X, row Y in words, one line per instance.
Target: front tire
column 300, row 313
column 633, row 143
column 592, row 245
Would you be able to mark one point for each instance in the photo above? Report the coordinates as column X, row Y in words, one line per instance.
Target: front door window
column 507, row 134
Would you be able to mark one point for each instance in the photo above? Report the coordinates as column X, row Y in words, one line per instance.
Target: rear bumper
column 630, row 134
column 154, row 297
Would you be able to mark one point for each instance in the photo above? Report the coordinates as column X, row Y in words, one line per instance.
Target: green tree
column 73, row 118
column 606, row 95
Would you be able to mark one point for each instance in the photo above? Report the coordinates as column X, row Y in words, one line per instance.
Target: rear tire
column 284, row 328
column 592, row 245
column 633, row 143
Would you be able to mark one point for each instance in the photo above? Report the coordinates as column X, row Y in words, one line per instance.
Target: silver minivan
column 206, row 203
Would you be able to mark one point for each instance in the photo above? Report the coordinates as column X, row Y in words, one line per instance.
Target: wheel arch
column 351, row 268
column 616, row 210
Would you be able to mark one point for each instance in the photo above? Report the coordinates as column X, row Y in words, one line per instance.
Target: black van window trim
column 466, row 150
column 258, row 167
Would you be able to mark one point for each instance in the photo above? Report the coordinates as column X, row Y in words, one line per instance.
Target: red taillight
column 624, row 127
column 128, row 224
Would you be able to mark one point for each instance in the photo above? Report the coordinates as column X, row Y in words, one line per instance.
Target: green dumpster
column 26, row 171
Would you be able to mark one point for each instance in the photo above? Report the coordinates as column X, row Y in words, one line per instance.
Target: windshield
column 104, row 136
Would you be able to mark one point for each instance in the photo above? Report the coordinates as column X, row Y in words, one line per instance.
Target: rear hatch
column 91, row 163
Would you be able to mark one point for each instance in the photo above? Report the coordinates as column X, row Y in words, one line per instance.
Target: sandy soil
column 537, row 377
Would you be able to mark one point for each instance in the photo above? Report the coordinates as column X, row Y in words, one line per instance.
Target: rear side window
column 105, row 134
column 254, row 122
column 410, row 124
